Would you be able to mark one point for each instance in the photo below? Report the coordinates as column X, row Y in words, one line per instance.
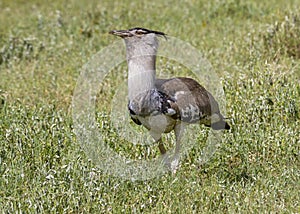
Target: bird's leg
column 163, row 153
column 179, row 129
column 161, row 147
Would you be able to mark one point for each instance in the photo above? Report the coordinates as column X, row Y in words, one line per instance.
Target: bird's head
column 136, row 33
column 139, row 41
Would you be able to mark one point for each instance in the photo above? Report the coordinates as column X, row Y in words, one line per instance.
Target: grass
column 253, row 46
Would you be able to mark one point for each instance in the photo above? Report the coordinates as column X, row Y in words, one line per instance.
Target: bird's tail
column 220, row 125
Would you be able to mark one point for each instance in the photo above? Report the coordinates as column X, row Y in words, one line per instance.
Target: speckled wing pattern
column 179, row 98
column 152, row 102
column 192, row 102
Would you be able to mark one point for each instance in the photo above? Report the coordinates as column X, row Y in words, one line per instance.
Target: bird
column 164, row 105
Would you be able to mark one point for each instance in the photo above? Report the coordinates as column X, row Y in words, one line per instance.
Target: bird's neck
column 141, row 75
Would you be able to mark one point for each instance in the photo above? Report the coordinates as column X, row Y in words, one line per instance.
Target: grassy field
column 254, row 47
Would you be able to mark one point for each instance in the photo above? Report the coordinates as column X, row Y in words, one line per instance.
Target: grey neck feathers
column 141, row 56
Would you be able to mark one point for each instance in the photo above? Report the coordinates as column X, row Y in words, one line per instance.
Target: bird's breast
column 158, row 123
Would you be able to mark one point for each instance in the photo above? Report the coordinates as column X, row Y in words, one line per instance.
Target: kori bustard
column 163, row 105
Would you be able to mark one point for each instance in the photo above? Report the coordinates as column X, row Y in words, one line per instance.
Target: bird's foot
column 172, row 163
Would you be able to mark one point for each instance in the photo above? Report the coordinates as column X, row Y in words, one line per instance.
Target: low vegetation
column 253, row 46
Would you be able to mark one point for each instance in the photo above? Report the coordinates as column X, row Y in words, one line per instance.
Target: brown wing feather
column 192, row 101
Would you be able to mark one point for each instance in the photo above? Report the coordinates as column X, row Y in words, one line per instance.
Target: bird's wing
column 133, row 116
column 191, row 101
column 152, row 102
column 135, row 120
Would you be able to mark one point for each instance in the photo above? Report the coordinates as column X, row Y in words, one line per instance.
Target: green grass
column 253, row 46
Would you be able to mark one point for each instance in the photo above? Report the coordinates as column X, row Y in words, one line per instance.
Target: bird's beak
column 121, row 33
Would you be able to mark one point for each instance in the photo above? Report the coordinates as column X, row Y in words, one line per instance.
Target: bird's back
column 192, row 102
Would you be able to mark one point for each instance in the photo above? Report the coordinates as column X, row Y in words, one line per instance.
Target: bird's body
column 163, row 105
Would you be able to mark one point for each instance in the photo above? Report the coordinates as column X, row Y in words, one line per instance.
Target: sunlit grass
column 254, row 48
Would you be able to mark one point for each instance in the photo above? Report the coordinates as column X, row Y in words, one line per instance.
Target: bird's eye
column 139, row 32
